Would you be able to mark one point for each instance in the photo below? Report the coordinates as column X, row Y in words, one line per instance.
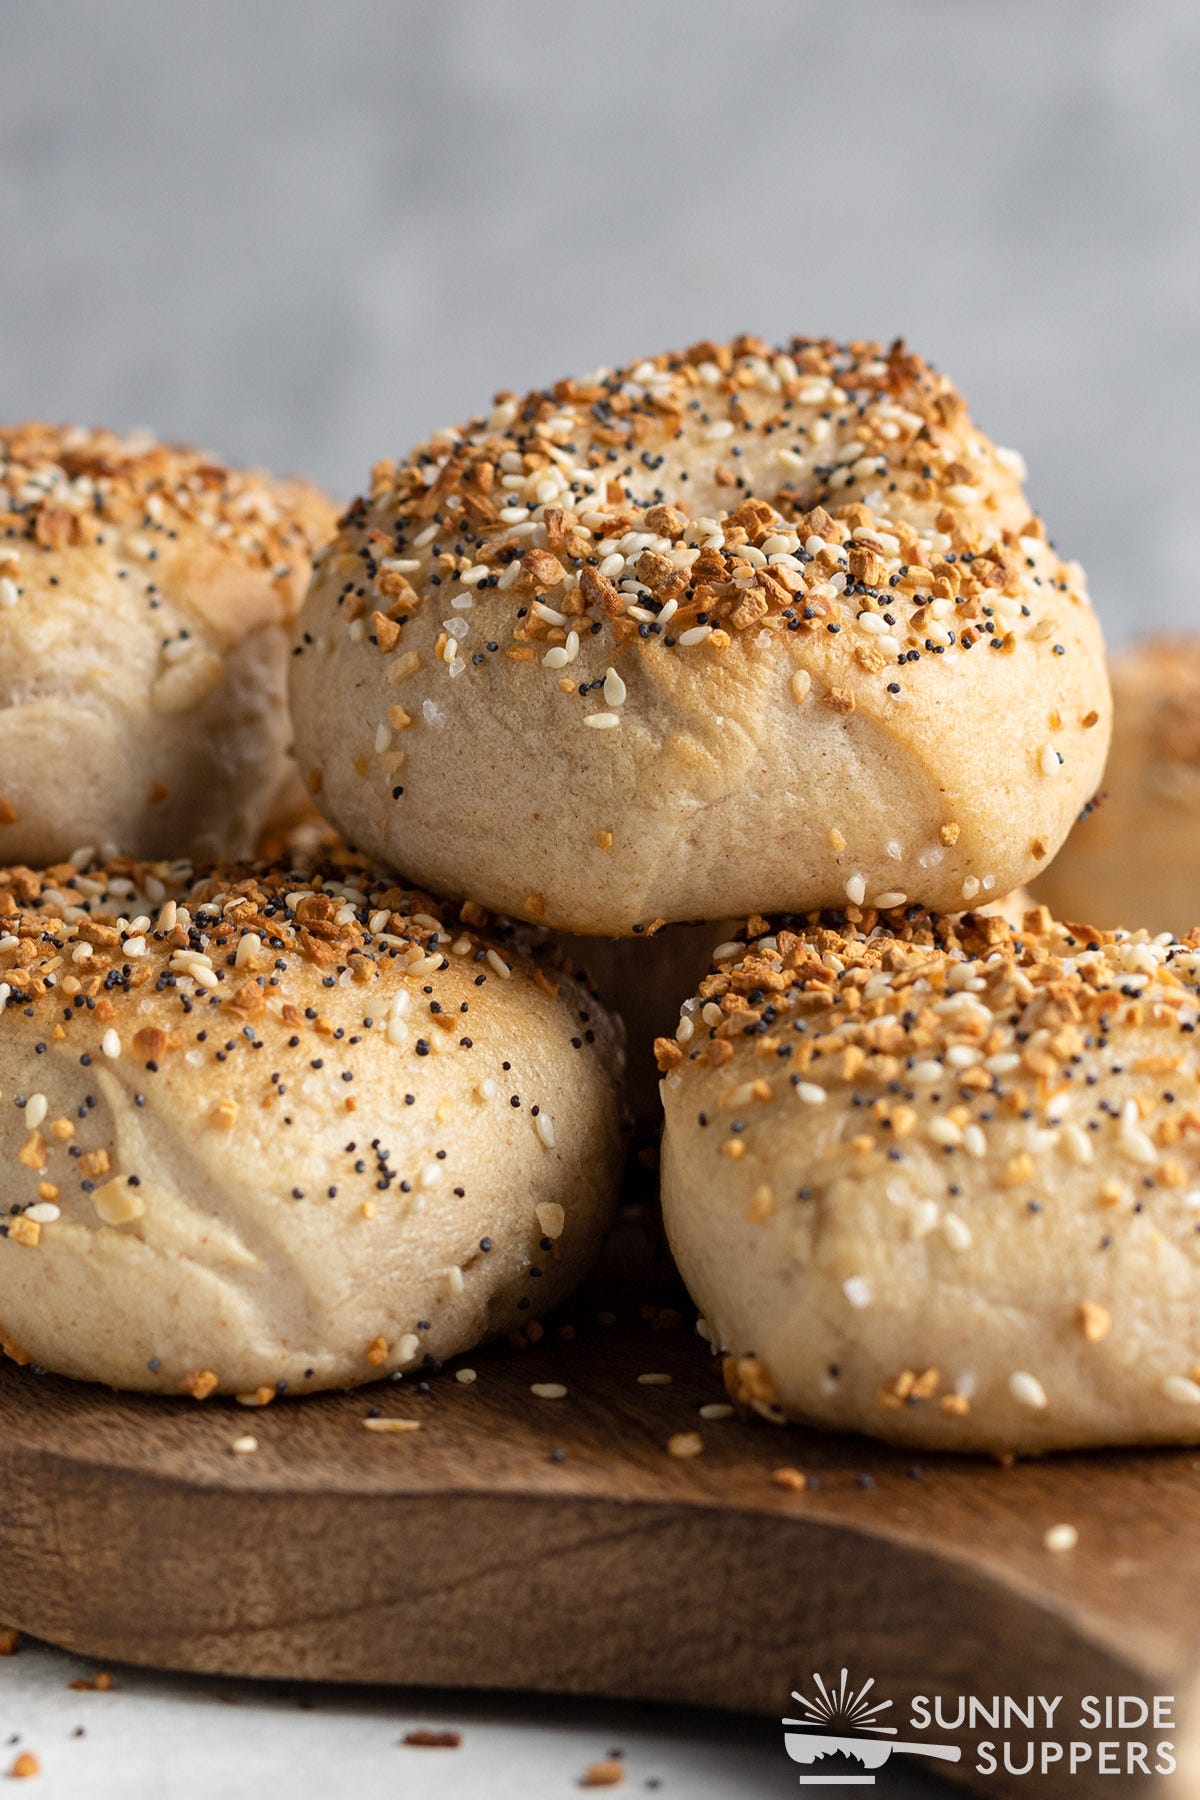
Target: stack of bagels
column 745, row 680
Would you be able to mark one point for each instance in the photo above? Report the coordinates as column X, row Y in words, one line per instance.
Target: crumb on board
column 608, row 1772
column 685, row 1444
column 795, row 1479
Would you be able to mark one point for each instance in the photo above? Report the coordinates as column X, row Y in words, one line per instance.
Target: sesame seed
column 1182, row 1390
column 1026, row 1390
column 248, row 948
column 955, row 1232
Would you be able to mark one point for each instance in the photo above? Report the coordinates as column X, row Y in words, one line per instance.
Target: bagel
column 146, row 598
column 721, row 631
column 292, row 1127
column 1135, row 859
column 938, row 1180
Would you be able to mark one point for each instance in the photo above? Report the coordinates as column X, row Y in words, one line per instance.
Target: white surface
column 160, row 1737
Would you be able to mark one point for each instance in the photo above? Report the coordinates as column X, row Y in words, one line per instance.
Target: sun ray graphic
column 842, row 1708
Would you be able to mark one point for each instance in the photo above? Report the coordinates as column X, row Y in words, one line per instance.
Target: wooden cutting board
column 555, row 1544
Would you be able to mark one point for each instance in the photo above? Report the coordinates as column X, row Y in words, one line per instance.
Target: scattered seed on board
column 685, row 1444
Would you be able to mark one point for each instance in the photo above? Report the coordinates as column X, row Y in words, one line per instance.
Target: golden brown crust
column 688, row 582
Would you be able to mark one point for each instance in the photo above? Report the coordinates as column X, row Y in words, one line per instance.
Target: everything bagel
column 938, row 1179
column 731, row 630
column 285, row 1126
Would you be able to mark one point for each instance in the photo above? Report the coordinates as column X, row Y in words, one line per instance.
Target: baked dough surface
column 938, row 1180
column 731, row 629
column 147, row 594
column 285, row 1126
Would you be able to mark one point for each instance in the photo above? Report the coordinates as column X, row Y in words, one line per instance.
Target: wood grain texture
column 467, row 1553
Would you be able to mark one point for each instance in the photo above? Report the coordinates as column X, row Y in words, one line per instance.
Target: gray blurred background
column 307, row 233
